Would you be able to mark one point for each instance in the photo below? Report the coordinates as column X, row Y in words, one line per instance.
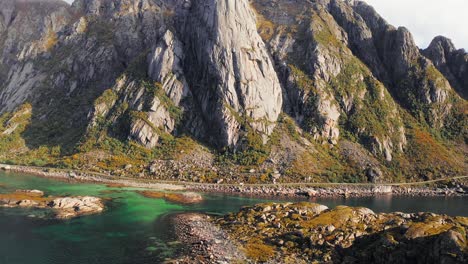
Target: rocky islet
column 62, row 207
column 185, row 198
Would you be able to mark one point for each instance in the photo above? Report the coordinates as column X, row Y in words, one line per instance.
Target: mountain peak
column 444, row 42
column 319, row 89
column 451, row 62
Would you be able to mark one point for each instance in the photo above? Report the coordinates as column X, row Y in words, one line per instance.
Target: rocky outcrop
column 361, row 38
column 452, row 63
column 165, row 67
column 314, row 107
column 69, row 207
column 310, row 99
column 302, row 234
column 143, row 105
column 62, row 207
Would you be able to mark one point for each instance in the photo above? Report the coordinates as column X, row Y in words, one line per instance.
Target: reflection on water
column 134, row 229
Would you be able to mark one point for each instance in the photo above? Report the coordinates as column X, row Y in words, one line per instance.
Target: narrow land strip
column 425, row 188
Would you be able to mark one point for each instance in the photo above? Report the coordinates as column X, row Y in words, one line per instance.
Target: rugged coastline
column 450, row 187
column 304, row 232
column 312, row 233
column 307, row 232
column 334, row 190
column 205, row 241
column 80, row 176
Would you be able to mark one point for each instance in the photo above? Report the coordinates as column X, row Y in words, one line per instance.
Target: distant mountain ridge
column 203, row 90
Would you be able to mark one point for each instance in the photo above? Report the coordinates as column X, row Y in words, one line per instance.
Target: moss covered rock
column 308, row 232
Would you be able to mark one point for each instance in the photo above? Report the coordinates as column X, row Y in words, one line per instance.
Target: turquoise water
column 134, row 229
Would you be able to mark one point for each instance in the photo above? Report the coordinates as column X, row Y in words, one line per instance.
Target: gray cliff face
column 452, row 63
column 227, row 73
column 165, row 66
column 26, row 21
column 230, row 86
column 148, row 104
column 25, row 26
column 230, row 71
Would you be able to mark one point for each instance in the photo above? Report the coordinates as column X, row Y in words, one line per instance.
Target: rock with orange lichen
column 308, row 232
column 62, row 207
column 180, row 198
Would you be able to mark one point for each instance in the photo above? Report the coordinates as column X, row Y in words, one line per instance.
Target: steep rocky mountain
column 452, row 63
column 203, row 90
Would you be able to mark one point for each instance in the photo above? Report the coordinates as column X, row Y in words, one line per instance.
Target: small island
column 183, row 198
column 62, row 207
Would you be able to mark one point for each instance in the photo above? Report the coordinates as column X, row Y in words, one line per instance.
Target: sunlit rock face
column 231, row 75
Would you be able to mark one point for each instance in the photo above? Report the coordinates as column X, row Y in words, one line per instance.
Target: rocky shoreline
column 309, row 233
column 312, row 233
column 334, row 191
column 205, row 241
column 80, row 176
column 453, row 187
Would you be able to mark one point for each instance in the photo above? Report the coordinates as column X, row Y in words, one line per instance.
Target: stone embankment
column 453, row 187
column 345, row 190
column 80, row 176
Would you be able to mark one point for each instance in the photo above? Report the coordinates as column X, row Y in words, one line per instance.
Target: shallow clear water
column 135, row 229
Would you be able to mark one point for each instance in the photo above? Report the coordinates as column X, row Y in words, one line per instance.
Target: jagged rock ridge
column 451, row 62
column 331, row 77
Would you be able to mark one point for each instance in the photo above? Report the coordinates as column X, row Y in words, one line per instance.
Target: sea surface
column 134, row 229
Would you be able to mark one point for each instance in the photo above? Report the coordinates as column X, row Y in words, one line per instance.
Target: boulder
column 27, row 203
column 5, row 167
column 69, row 207
column 37, row 193
column 373, row 174
column 382, row 189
